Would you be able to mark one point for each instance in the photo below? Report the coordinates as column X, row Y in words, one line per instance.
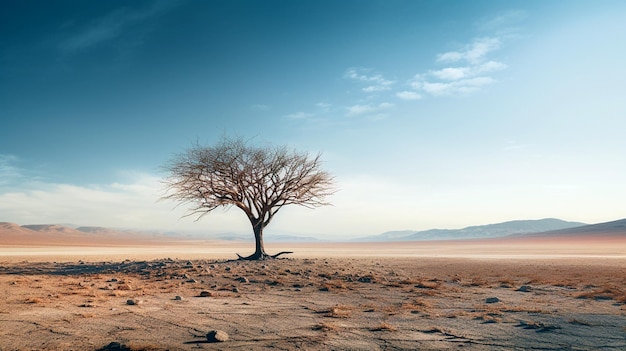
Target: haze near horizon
column 430, row 114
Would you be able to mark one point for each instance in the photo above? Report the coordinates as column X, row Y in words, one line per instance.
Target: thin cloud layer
column 8, row 171
column 472, row 71
column 299, row 115
column 473, row 53
column 466, row 70
column 373, row 83
column 111, row 26
column 357, row 110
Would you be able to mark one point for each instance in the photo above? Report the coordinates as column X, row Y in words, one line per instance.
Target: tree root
column 264, row 256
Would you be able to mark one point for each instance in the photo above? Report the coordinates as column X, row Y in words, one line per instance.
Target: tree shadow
column 80, row 268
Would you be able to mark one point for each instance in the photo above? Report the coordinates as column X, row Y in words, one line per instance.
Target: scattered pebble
column 132, row 302
column 178, row 298
column 205, row 294
column 524, row 288
column 242, row 279
column 365, row 279
column 492, row 300
column 217, row 336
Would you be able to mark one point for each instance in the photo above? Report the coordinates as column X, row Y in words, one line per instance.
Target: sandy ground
column 400, row 296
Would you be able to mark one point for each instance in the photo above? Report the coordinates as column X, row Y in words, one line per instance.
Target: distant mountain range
column 13, row 234
column 606, row 229
column 476, row 232
column 54, row 234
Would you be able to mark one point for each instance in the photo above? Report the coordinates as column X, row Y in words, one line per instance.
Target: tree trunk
column 259, row 253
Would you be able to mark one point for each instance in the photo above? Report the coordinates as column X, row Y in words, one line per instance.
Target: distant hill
column 57, row 234
column 606, row 229
column 475, row 232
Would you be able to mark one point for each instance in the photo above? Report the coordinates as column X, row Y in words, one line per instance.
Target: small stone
column 365, row 279
column 217, row 336
column 115, row 346
column 178, row 298
column 492, row 300
column 235, row 290
column 242, row 279
column 524, row 288
column 205, row 294
column 132, row 302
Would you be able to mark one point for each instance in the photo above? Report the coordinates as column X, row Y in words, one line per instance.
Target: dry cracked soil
column 315, row 304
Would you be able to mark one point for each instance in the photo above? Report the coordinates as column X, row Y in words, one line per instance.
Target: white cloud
column 504, row 22
column 463, row 86
column 457, row 73
column 462, row 79
column 473, row 53
column 357, row 110
column 490, row 66
column 375, row 88
column 37, row 202
column 408, row 95
column 375, row 82
column 452, row 73
column 299, row 115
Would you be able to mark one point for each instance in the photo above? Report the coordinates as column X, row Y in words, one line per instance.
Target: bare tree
column 257, row 180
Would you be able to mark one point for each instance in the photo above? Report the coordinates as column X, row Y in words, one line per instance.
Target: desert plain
column 513, row 294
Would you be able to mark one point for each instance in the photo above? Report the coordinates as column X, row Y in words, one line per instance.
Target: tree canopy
column 259, row 180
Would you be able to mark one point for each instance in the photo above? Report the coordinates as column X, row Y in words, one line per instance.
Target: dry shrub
column 409, row 281
column 488, row 318
column 124, row 286
column 607, row 293
column 415, row 304
column 476, row 282
column 338, row 311
column 428, row 284
column 384, row 326
column 334, row 285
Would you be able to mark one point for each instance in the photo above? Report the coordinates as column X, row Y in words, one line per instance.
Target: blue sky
column 430, row 113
